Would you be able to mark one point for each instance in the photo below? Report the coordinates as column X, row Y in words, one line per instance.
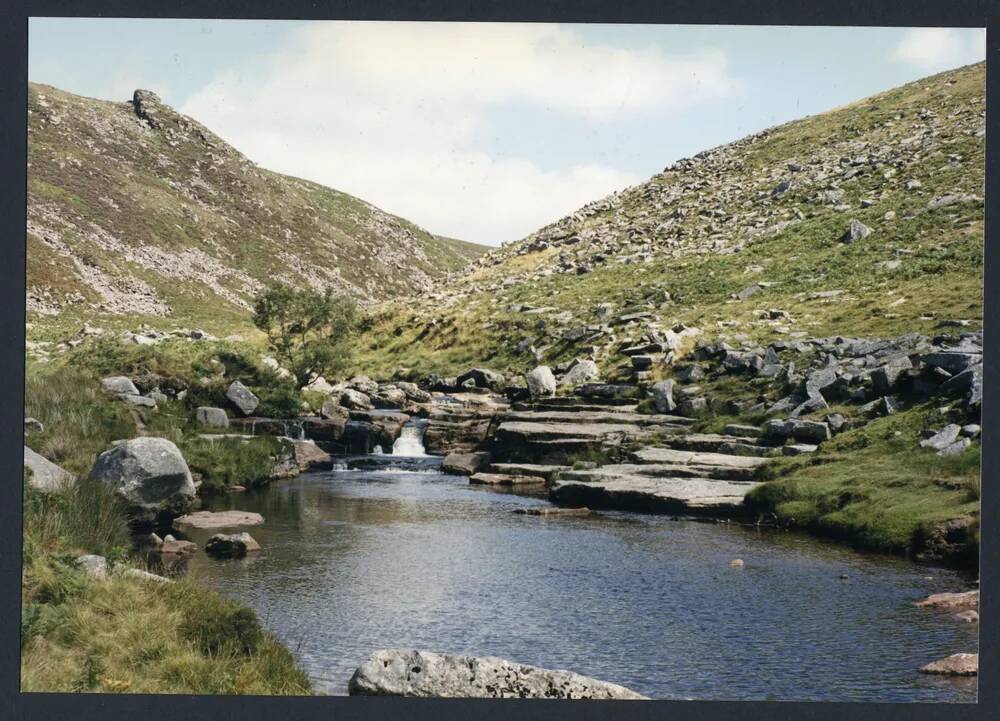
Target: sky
column 484, row 132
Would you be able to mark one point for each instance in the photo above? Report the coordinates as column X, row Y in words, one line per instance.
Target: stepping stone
column 221, row 519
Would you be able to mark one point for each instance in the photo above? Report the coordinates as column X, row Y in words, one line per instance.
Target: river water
column 355, row 561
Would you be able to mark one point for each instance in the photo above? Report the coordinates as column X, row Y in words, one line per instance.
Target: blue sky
column 483, row 132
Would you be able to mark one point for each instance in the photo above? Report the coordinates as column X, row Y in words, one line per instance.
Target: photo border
column 13, row 213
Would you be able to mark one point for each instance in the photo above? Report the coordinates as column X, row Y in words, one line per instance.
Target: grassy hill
column 770, row 211
column 137, row 213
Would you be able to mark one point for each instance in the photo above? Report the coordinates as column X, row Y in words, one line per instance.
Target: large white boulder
column 541, row 382
column 149, row 474
column 422, row 673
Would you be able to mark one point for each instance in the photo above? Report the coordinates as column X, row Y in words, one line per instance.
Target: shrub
column 308, row 330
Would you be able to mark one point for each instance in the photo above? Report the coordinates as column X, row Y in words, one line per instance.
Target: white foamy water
column 410, row 441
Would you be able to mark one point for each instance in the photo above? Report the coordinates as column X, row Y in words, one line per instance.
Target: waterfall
column 411, row 440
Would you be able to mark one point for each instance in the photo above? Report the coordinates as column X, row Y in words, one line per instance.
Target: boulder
column 120, row 385
column 213, row 417
column 958, row 664
column 149, row 474
column 809, row 431
column 663, row 396
column 364, row 384
column 584, row 371
column 425, row 674
column 943, row 438
column 138, row 401
column 233, row 545
column 465, row 464
column 309, row 456
column 855, row 231
column 413, row 392
column 541, row 382
column 355, row 400
column 389, row 397
column 884, row 378
column 45, row 475
column 242, row 398
column 481, row 378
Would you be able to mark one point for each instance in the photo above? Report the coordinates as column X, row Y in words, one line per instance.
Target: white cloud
column 400, row 115
column 936, row 49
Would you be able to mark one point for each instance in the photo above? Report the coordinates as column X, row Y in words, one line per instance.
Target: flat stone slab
column 644, row 493
column 658, row 470
column 220, row 519
column 696, row 458
column 504, row 479
column 530, row 430
column 600, row 416
column 548, row 472
column 553, row 511
column 958, row 664
column 438, row 675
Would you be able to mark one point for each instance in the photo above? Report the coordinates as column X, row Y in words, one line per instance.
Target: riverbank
column 121, row 631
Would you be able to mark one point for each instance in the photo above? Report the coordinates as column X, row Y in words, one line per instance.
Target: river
column 355, row 561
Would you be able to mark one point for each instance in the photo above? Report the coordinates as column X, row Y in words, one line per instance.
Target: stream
column 359, row 560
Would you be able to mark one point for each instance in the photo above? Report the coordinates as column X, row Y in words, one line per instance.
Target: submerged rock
column 219, row 519
column 233, row 545
column 426, row 674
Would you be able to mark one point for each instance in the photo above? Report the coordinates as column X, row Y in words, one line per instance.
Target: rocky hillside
column 135, row 210
column 866, row 220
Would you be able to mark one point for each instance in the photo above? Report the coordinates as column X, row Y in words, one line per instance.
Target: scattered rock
column 214, row 417
column 233, row 545
column 120, row 385
column 855, row 231
column 242, row 398
column 663, row 396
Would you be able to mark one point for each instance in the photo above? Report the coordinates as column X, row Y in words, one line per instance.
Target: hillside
column 136, row 212
column 727, row 239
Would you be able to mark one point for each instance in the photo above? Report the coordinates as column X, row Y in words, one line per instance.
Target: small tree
column 308, row 330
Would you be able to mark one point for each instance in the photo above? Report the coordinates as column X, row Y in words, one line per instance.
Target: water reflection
column 354, row 561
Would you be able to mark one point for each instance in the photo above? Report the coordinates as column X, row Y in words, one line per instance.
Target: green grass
column 79, row 418
column 233, row 461
column 127, row 635
column 874, row 486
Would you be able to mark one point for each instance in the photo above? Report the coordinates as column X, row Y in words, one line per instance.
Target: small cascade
column 411, row 439
column 377, row 451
